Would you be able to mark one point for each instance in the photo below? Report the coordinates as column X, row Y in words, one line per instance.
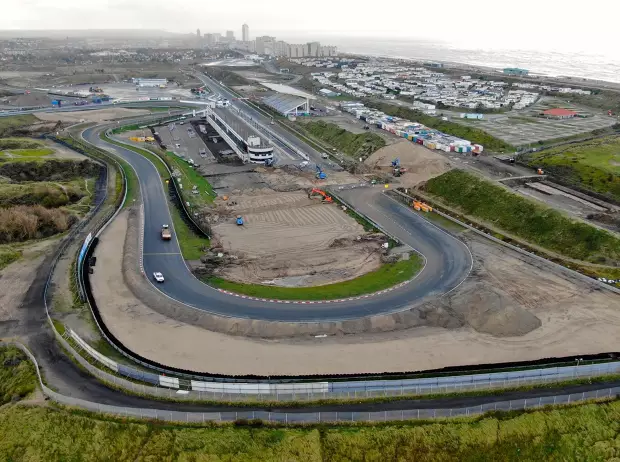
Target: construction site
column 292, row 239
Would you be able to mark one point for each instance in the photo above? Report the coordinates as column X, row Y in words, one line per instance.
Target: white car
column 158, row 276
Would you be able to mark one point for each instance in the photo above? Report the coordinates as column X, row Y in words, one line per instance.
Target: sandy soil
column 422, row 163
column 290, row 178
column 508, row 310
column 99, row 115
column 16, row 279
column 287, row 234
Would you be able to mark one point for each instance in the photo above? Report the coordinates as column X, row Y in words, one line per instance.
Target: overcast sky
column 548, row 24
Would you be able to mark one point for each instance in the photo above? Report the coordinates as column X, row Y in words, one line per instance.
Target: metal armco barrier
column 168, row 387
column 172, row 385
column 311, row 417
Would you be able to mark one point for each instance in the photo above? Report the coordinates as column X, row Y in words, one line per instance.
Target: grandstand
column 288, row 104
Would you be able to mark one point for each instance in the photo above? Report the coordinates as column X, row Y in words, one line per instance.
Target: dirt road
column 100, row 115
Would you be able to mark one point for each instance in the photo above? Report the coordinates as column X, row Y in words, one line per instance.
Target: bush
column 524, row 218
column 22, row 223
column 49, row 195
column 50, row 170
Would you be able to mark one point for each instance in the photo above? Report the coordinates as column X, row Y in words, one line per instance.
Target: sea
column 596, row 63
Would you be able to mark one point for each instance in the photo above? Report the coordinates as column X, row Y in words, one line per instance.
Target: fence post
column 540, row 401
column 418, row 413
column 525, row 404
column 583, row 396
column 569, row 398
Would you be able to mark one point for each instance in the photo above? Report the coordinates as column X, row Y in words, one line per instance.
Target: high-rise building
column 281, row 48
column 265, row 45
column 217, row 37
column 230, row 36
column 328, row 51
column 296, row 51
column 313, row 49
column 245, row 33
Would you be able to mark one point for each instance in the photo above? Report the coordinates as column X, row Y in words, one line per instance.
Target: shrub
column 22, row 223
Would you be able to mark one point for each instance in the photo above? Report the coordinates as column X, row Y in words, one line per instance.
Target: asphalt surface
column 261, row 119
column 448, row 261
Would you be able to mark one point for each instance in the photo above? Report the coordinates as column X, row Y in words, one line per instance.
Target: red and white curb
column 316, row 302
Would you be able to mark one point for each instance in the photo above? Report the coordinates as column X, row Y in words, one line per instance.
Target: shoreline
column 533, row 77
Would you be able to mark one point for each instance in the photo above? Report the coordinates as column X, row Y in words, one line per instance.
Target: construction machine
column 421, row 206
column 319, row 192
column 320, row 174
column 397, row 170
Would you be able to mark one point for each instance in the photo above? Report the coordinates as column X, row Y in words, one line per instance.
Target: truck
column 166, row 235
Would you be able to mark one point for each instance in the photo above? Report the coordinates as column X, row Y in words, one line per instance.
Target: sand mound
column 422, row 163
column 492, row 311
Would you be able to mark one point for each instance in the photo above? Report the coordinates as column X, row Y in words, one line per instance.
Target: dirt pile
column 286, row 234
column 421, row 163
column 291, row 178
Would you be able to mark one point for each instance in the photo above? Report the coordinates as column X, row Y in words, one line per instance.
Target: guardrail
column 170, row 168
column 214, row 387
column 310, row 417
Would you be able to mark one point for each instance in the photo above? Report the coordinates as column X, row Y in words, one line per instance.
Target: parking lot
column 182, row 139
column 524, row 127
column 525, row 130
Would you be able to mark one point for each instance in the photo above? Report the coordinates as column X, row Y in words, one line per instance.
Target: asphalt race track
column 448, row 261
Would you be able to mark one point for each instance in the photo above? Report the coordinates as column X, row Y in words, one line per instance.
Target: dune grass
column 583, row 432
column 388, row 275
column 593, row 165
column 524, row 218
column 17, row 376
column 355, row 145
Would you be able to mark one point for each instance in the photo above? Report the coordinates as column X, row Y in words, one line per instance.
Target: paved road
column 448, row 260
column 261, row 118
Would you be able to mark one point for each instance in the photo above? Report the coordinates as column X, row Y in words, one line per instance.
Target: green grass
column 8, row 255
column 17, row 376
column 32, row 152
column 387, row 276
column 355, row 145
column 524, row 218
column 20, row 143
column 593, row 165
column 475, row 135
column 576, row 433
column 9, row 124
column 192, row 244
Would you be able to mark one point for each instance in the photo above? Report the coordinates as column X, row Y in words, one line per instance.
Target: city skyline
column 472, row 23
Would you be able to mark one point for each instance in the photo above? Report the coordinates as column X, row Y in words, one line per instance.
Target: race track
column 448, row 260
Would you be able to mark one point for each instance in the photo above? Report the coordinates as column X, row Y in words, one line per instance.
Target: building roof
column 284, row 103
column 559, row 112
